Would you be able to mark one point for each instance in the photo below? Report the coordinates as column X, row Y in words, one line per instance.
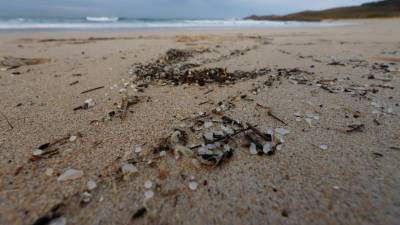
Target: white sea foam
column 102, row 19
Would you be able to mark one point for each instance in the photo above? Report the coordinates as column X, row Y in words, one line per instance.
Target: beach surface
column 327, row 98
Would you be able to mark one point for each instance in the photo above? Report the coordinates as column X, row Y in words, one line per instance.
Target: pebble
column 91, row 185
column 193, row 185
column 70, row 174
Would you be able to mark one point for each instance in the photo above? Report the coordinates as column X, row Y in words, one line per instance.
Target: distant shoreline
column 373, row 10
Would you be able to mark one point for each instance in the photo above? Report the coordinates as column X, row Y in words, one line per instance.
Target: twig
column 202, row 103
column 395, row 148
column 73, row 83
column 209, row 91
column 93, row 89
column 269, row 112
column 259, row 133
column 5, row 117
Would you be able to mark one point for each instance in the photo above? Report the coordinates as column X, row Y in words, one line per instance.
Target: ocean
column 128, row 23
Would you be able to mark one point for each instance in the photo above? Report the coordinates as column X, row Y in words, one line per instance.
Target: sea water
column 129, row 23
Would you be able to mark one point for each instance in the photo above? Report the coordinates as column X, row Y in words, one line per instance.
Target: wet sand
column 325, row 172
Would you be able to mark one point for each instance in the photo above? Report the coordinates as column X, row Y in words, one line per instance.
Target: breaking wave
column 102, row 19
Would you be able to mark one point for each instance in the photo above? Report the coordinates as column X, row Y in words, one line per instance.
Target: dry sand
column 356, row 180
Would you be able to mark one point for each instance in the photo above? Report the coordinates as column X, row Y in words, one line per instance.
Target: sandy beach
column 322, row 104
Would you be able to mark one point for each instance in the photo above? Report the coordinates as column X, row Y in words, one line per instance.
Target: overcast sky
column 163, row 8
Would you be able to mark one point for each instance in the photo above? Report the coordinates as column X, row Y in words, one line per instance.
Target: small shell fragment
column 73, row 138
column 267, row 148
column 49, row 172
column 193, row 185
column 208, row 124
column 138, row 148
column 227, row 130
column 148, row 184
column 128, row 168
column 148, row 194
column 89, row 103
column 323, row 147
column 86, row 197
column 282, row 131
column 253, row 149
column 58, row 221
column 91, row 185
column 70, row 174
column 37, row 152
